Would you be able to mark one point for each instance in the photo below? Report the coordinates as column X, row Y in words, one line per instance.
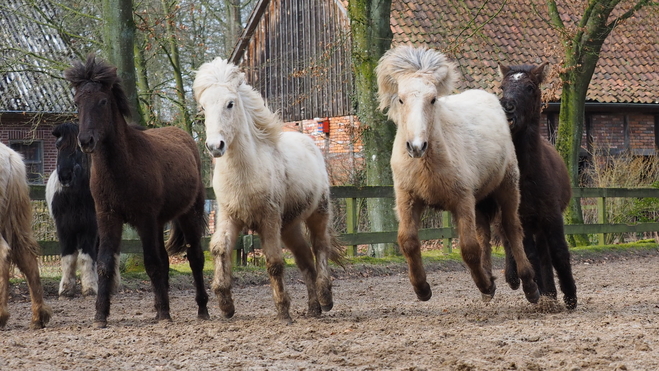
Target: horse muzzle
column 416, row 150
column 87, row 144
column 217, row 149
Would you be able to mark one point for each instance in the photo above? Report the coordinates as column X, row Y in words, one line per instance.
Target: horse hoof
column 203, row 314
column 328, row 307
column 487, row 296
column 286, row 320
column 100, row 324
column 424, row 293
column 570, row 302
column 41, row 319
column 513, row 282
column 4, row 317
column 531, row 292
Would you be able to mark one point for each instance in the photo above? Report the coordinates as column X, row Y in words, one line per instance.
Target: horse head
column 521, row 95
column 231, row 106
column 410, row 84
column 71, row 161
column 99, row 98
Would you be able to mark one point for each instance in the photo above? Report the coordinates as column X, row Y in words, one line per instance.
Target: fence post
column 351, row 221
column 446, row 223
column 601, row 218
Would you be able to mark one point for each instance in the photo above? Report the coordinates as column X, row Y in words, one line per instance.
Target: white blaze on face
column 416, row 109
column 517, row 76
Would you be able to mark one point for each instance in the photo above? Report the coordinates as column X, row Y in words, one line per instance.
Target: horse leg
column 5, row 265
column 544, row 271
column 560, row 257
column 87, row 245
column 274, row 260
column 192, row 225
column 484, row 235
column 27, row 263
column 321, row 240
column 511, row 226
column 470, row 247
column 156, row 264
column 409, row 214
column 68, row 259
column 221, row 246
column 109, row 232
column 294, row 240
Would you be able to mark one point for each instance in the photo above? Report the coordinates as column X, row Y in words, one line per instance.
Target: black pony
column 544, row 185
column 71, row 205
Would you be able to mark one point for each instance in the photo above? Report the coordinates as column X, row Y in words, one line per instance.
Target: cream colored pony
column 17, row 244
column 266, row 180
column 450, row 152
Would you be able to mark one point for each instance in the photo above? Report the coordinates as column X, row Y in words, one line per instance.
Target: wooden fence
column 353, row 237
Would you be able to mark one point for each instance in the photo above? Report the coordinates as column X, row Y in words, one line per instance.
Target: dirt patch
column 376, row 324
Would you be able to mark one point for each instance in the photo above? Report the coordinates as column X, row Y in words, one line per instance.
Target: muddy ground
column 376, row 324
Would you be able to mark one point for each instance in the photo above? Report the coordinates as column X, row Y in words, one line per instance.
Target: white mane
column 221, row 73
column 406, row 61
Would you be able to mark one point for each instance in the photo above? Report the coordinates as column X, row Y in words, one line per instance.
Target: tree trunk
column 184, row 119
column 234, row 23
column 119, row 38
column 371, row 38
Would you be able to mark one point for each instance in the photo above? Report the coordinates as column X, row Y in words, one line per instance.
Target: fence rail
column 353, row 237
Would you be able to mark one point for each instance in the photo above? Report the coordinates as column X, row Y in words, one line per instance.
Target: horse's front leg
column 109, row 230
column 409, row 215
column 293, row 238
column 68, row 258
column 87, row 263
column 471, row 250
column 156, row 263
column 271, row 245
column 221, row 246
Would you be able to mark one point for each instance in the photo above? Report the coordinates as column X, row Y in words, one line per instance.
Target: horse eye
column 230, row 104
column 103, row 102
column 400, row 101
column 433, row 101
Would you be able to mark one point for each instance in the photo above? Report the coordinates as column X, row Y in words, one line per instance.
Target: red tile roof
column 511, row 32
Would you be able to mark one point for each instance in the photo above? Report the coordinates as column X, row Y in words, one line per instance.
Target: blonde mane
column 408, row 60
column 264, row 124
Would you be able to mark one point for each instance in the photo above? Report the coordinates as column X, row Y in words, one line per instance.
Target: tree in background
column 581, row 42
column 371, row 38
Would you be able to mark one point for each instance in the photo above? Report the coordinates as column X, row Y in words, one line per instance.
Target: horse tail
column 337, row 251
column 176, row 242
column 17, row 226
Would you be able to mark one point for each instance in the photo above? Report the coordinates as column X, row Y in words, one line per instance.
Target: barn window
column 32, row 153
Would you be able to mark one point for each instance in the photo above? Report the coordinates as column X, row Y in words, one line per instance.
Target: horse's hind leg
column 511, row 226
column 544, row 271
column 221, row 246
column 484, row 235
column 560, row 256
column 294, row 239
column 4, row 281
column 470, row 248
column 319, row 228
column 192, row 225
column 27, row 263
column 409, row 214
column 270, row 243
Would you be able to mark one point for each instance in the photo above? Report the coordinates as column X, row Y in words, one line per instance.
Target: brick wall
column 42, row 133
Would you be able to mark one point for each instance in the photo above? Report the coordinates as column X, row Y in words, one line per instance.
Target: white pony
column 17, row 243
column 450, row 152
column 266, row 180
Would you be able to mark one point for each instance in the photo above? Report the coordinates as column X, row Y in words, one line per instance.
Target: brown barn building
column 297, row 53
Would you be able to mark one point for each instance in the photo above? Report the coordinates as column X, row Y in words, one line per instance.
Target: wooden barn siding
column 299, row 59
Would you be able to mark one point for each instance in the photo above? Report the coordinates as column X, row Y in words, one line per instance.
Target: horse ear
column 445, row 78
column 540, row 72
column 503, row 70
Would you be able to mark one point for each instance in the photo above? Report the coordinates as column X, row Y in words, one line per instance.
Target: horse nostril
column 409, row 146
column 424, row 147
column 222, row 144
column 508, row 107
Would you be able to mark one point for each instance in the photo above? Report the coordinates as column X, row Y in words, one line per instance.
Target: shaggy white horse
column 17, row 244
column 450, row 152
column 266, row 180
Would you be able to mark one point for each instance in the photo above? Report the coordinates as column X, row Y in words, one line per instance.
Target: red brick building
column 299, row 57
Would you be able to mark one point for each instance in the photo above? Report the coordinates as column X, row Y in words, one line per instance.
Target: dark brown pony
column 145, row 178
column 544, row 185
